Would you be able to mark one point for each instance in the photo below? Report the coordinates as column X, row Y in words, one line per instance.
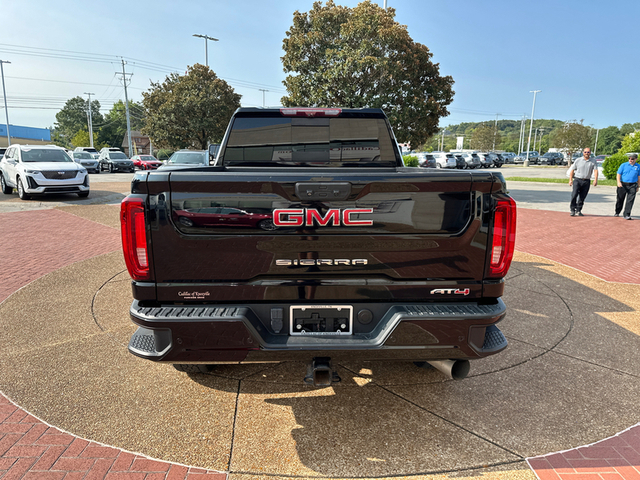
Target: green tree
column 74, row 116
column 609, row 140
column 484, row 137
column 572, row 137
column 113, row 130
column 81, row 139
column 189, row 110
column 361, row 57
column 631, row 143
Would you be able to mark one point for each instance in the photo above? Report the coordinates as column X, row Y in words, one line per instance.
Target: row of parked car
column 460, row 160
column 492, row 159
column 35, row 170
column 114, row 160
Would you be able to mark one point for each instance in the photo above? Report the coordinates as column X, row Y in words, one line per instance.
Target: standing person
column 628, row 183
column 581, row 171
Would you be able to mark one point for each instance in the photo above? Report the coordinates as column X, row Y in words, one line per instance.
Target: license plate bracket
column 321, row 320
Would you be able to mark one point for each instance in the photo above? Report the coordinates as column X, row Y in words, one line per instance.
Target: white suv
column 39, row 169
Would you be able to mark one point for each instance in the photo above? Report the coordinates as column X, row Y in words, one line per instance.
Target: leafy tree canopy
column 113, row 130
column 573, row 137
column 631, row 143
column 74, row 116
column 361, row 57
column 484, row 137
column 609, row 140
column 189, row 110
column 81, row 139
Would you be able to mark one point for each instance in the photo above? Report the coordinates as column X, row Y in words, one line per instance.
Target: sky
column 581, row 55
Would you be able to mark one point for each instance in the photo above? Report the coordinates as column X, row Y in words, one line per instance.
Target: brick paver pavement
column 596, row 245
column 38, row 242
column 33, row 450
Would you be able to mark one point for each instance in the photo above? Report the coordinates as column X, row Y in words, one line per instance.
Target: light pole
column 535, row 92
column 4, row 94
column 206, row 48
column 263, row 92
column 90, row 120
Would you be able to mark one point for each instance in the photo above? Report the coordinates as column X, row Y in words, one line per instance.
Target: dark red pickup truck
column 309, row 240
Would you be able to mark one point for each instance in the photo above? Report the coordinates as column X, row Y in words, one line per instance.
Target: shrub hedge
column 410, row 160
column 611, row 164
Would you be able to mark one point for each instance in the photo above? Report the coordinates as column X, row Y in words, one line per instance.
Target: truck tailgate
column 369, row 235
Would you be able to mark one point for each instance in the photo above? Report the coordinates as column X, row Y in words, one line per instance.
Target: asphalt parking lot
column 568, row 379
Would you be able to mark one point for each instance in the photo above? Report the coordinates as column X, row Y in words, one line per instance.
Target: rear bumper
column 210, row 334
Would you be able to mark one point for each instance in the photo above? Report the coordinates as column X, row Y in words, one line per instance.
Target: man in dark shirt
column 579, row 178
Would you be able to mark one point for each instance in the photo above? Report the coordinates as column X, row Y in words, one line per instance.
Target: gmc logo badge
column 450, row 291
column 310, row 217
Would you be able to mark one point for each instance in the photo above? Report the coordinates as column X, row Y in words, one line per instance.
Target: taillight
column 504, row 237
column 134, row 238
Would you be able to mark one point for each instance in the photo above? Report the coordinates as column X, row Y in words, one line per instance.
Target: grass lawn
column 556, row 180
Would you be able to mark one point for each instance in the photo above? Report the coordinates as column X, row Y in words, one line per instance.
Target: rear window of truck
column 295, row 141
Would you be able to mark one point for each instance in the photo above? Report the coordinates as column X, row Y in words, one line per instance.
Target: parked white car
column 445, row 160
column 40, row 169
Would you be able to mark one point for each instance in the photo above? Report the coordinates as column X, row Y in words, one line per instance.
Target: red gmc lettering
column 310, row 217
column 293, row 217
column 346, row 217
column 332, row 215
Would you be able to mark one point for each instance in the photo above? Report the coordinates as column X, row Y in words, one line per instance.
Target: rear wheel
column 6, row 189
column 267, row 225
column 189, row 368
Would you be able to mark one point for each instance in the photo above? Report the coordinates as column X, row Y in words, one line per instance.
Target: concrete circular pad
column 568, row 378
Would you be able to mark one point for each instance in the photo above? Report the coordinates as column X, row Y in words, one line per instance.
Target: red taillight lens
column 134, row 237
column 504, row 237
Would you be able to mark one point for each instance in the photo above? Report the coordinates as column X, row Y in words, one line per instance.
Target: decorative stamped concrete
column 266, row 407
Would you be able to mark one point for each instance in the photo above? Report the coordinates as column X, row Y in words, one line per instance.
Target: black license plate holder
column 321, row 320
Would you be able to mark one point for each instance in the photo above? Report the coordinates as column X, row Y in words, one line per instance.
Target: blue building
column 24, row 135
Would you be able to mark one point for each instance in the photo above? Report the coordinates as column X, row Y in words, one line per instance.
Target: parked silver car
column 472, row 160
column 445, row 160
column 86, row 160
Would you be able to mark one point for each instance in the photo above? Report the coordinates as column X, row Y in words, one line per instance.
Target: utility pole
column 263, row 92
column 126, row 98
column 495, row 131
column 90, row 120
column 206, row 46
column 535, row 92
column 595, row 147
column 4, row 94
column 521, row 138
column 540, row 141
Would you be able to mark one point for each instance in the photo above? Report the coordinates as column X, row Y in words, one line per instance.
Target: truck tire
column 6, row 189
column 83, row 194
column 190, row 368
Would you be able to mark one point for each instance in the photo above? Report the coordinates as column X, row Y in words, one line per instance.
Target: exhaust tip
column 454, row 369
